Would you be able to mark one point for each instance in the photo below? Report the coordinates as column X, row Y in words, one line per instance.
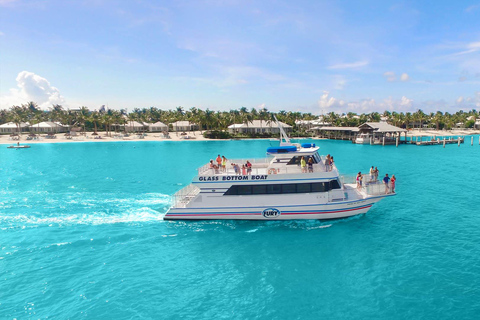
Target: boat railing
column 183, row 196
column 256, row 163
column 370, row 185
column 263, row 166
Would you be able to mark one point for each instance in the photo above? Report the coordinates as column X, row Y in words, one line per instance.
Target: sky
column 308, row 56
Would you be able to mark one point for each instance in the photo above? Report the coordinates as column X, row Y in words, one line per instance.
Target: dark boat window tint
column 334, row 184
column 303, row 188
column 289, row 188
column 260, row 189
column 294, row 160
column 244, row 190
column 274, row 189
column 319, row 187
column 232, row 191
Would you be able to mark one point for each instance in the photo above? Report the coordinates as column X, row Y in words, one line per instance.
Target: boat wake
column 81, row 208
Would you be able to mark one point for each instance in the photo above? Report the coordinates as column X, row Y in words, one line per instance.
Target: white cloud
column 326, row 102
column 32, row 87
column 352, row 65
column 404, row 77
column 460, row 100
column 390, row 76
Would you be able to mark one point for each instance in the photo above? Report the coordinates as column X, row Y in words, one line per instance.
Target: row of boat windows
column 282, row 188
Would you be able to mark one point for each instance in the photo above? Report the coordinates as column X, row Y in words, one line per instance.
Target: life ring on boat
column 272, row 171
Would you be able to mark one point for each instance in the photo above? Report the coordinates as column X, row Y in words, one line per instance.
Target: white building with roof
column 184, row 126
column 11, row 127
column 157, row 127
column 135, row 126
column 259, row 127
column 48, row 127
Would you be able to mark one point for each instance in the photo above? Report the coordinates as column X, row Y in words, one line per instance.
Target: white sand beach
column 101, row 137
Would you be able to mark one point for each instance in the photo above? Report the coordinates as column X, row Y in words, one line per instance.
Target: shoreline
column 195, row 136
column 61, row 138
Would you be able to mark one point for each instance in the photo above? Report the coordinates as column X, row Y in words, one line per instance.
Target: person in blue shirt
column 386, row 180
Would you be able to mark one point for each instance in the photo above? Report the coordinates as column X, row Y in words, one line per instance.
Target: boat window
column 319, row 187
column 294, row 160
column 274, row 188
column 260, row 189
column 334, row 184
column 304, row 188
column 283, row 188
column 243, row 190
column 289, row 188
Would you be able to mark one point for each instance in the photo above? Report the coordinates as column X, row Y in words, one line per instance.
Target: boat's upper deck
column 283, row 162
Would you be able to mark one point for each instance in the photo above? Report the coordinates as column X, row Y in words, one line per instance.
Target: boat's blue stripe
column 290, row 211
column 259, row 213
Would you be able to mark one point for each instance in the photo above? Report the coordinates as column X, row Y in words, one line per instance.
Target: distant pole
column 397, row 141
column 383, row 141
column 458, row 141
column 472, row 141
column 444, row 142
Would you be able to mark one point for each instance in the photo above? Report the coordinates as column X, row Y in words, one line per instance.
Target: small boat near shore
column 278, row 187
column 19, row 147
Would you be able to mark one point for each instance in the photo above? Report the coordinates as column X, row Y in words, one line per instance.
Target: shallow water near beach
column 82, row 236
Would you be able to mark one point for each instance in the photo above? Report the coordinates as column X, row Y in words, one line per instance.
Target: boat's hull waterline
column 292, row 212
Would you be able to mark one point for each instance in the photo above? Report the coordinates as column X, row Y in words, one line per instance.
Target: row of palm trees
column 105, row 119
column 437, row 120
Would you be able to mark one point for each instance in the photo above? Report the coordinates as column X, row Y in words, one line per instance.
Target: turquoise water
column 82, row 236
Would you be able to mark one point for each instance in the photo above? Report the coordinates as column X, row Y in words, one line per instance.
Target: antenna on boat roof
column 283, row 135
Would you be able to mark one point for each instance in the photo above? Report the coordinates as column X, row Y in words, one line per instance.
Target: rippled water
column 82, row 236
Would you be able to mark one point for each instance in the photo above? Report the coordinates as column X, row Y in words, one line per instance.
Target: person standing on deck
column 386, row 180
column 310, row 164
column 392, row 183
column 376, row 173
column 303, row 164
column 219, row 161
column 224, row 163
column 249, row 167
column 372, row 174
column 359, row 180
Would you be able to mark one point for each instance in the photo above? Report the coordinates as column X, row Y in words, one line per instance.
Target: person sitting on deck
column 386, row 179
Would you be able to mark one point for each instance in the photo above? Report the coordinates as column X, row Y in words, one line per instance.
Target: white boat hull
column 292, row 212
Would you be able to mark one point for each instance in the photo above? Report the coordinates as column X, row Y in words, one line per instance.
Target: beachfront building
column 312, row 125
column 157, row 127
column 12, row 127
column 184, row 126
column 259, row 127
column 135, row 126
column 48, row 127
column 477, row 124
column 337, row 133
column 378, row 133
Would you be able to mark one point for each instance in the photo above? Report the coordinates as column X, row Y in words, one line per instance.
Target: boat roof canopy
column 282, row 149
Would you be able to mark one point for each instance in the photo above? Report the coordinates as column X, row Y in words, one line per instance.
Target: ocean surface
column 82, row 236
